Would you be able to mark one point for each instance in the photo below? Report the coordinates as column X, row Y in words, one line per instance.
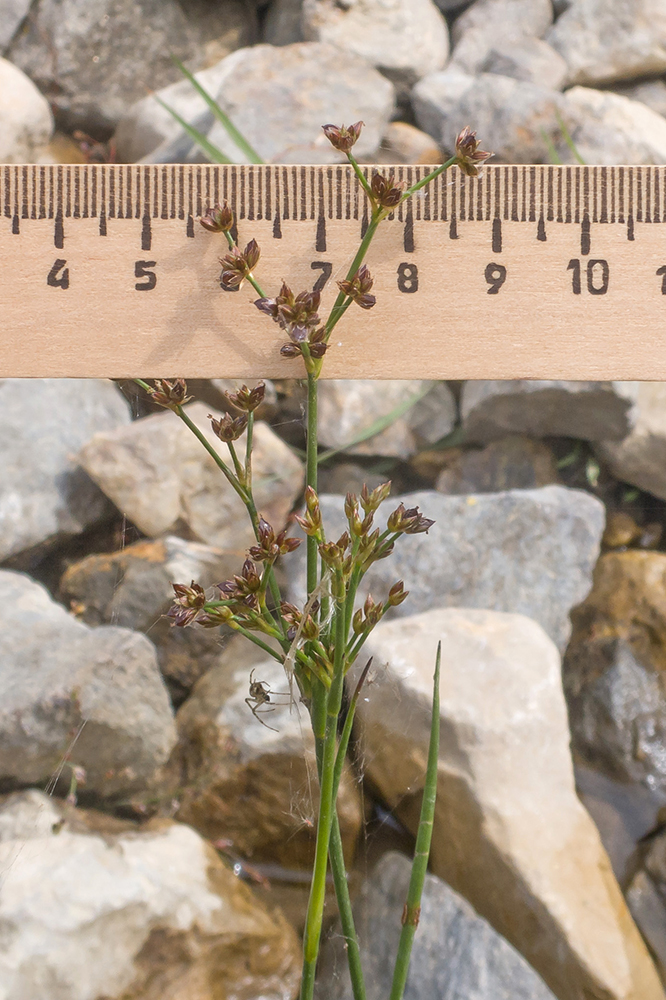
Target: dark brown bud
column 237, row 264
column 251, row 578
column 247, row 399
column 188, row 603
column 218, row 220
column 290, row 351
column 170, row 394
column 318, row 350
column 409, row 521
column 469, row 157
column 343, row 138
column 358, row 288
column 385, row 192
column 228, row 428
column 397, row 594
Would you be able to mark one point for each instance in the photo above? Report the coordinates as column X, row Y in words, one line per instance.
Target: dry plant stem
column 410, row 918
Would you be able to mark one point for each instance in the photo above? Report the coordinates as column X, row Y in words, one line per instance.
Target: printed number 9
column 408, row 278
column 495, row 276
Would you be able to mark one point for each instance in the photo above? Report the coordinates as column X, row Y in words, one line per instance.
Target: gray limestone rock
column 640, row 457
column 604, row 41
column 608, row 128
column 593, row 411
column 526, row 551
column 44, row 494
column 283, row 23
column 93, row 697
column 305, row 85
column 649, row 92
column 26, row 122
column 529, row 59
column 92, row 58
column 456, row 953
column 512, row 463
column 12, row 13
column 488, row 23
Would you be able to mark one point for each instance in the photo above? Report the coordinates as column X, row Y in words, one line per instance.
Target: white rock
column 26, row 122
column 607, row 40
column 45, row 496
column 162, row 478
column 510, row 833
column 529, row 59
column 641, row 457
column 12, row 13
column 92, row 696
column 488, row 23
column 592, row 411
column 305, row 85
column 404, row 143
column 608, row 128
column 404, row 38
column 435, row 98
column 94, row 908
column 348, row 407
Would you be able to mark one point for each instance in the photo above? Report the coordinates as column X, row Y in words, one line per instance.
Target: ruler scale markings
column 560, row 205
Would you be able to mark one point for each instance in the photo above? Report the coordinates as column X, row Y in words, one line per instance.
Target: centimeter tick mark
column 408, row 237
column 497, row 235
column 320, row 242
column 59, row 232
column 146, row 233
column 585, row 236
column 541, row 230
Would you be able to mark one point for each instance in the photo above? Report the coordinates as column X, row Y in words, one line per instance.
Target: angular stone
column 649, row 911
column 93, row 697
column 607, row 40
column 132, row 588
column 403, row 143
column 640, row 458
column 512, row 463
column 456, row 953
column 488, row 23
column 93, row 907
column 528, row 551
column 162, row 478
column 26, row 122
column 12, row 13
column 97, row 73
column 348, row 407
column 649, row 92
column 510, row 833
column 44, row 495
column 529, row 59
column 305, row 85
column 404, row 38
column 614, row 666
column 608, row 128
column 245, row 782
column 593, row 411
column 283, row 23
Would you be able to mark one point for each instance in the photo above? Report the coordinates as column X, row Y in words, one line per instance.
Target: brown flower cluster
column 219, row 219
column 358, row 288
column 228, row 428
column 297, row 315
column 170, row 394
column 343, row 138
column 385, row 191
column 469, row 157
column 238, row 264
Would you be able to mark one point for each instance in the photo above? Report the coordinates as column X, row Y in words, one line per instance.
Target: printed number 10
column 597, row 276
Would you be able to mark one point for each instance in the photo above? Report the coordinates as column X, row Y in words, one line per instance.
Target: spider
column 260, row 694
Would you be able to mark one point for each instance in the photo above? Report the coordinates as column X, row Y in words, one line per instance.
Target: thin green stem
column 250, row 277
column 337, row 311
column 410, row 919
column 240, row 473
column 311, row 475
column 257, row 641
column 428, row 178
column 219, row 461
column 248, row 449
column 361, row 176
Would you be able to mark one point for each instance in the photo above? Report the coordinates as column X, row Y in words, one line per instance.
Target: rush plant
column 319, row 642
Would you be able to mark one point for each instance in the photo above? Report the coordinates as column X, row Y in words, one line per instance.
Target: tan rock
column 161, row 477
column 508, row 464
column 510, row 833
column 404, row 143
column 245, row 783
column 92, row 907
column 640, row 458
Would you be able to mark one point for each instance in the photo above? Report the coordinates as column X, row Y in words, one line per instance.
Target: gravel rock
column 346, row 407
column 60, row 680
column 133, row 588
column 93, row 907
column 12, row 13
column 161, row 477
column 512, row 463
column 254, row 785
column 283, row 23
column 593, row 411
column 488, row 551
column 649, row 911
column 613, row 669
column 456, row 953
column 488, row 23
column 608, row 128
column 304, row 85
column 26, row 122
column 403, row 143
column 96, row 72
column 529, row 59
column 640, row 458
column 404, row 38
column 607, row 40
column 649, row 92
column 510, row 833
column 44, row 495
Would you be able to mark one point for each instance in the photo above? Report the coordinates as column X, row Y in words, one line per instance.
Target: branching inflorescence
column 319, row 642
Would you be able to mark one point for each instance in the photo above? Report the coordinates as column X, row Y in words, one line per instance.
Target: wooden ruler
column 522, row 272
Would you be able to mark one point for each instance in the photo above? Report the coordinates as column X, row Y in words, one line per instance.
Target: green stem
column 221, row 464
column 248, row 450
column 410, row 919
column 339, row 305
column 311, row 475
column 250, row 277
column 428, row 178
column 361, row 176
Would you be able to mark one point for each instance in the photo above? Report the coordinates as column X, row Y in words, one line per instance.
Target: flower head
column 218, row 220
column 237, row 264
column 228, row 428
column 247, row 399
column 188, row 603
column 170, row 394
column 343, row 138
column 469, row 157
column 359, row 287
column 385, row 192
column 297, row 315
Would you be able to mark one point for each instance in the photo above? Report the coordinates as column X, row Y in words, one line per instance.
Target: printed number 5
column 141, row 271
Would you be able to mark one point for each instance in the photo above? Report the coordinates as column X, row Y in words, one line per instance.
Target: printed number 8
column 408, row 278
column 495, row 276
